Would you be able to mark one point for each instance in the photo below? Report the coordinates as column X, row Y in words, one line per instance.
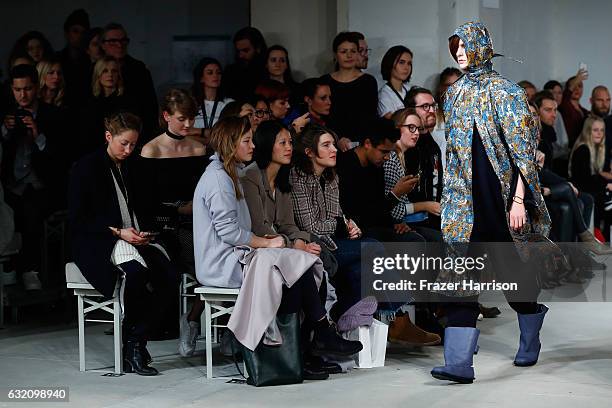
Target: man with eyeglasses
column 426, row 158
column 363, row 51
column 137, row 79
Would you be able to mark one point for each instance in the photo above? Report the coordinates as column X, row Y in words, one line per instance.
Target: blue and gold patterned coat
column 498, row 107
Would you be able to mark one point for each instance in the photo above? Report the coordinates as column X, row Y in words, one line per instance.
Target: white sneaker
column 480, row 317
column 188, row 333
column 31, row 281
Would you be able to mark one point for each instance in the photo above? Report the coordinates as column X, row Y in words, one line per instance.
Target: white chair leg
column 208, row 334
column 81, row 333
column 117, row 336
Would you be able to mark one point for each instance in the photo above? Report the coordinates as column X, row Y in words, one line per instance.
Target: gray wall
column 151, row 24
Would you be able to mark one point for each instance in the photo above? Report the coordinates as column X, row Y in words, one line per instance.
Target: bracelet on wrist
column 518, row 200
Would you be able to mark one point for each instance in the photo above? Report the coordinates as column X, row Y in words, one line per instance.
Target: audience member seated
column 174, row 164
column 316, row 206
column 355, row 93
column 108, row 97
column 600, row 107
column 413, row 214
column 75, row 62
column 586, row 165
column 207, row 91
column 396, row 70
column 32, row 167
column 243, row 75
column 227, row 251
column 137, row 79
column 362, row 186
column 573, row 113
column 317, row 97
column 575, row 207
column 278, row 68
column 426, row 160
column 113, row 235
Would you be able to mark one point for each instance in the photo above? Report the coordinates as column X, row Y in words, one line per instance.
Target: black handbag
column 277, row 365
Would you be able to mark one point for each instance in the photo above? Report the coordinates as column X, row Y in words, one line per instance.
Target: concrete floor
column 575, row 370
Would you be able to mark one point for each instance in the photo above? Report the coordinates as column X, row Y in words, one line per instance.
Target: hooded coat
column 498, row 108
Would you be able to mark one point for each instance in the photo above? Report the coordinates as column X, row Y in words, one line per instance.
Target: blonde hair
column 398, row 118
column 43, row 68
column 101, row 64
column 224, row 139
column 597, row 151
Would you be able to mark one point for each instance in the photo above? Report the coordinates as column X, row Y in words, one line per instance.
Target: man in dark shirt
column 137, row 79
column 426, row 158
column 241, row 77
column 75, row 62
column 362, row 186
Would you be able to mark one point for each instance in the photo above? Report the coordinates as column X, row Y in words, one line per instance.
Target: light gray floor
column 575, row 370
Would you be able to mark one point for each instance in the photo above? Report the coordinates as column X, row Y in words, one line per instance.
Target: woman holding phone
column 111, row 224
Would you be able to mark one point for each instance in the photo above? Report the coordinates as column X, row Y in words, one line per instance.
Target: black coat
column 93, row 207
column 140, row 90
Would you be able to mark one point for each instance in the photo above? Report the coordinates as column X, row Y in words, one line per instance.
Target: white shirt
column 388, row 101
column 208, row 105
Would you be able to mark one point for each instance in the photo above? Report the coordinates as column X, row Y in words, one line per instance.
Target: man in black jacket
column 362, row 186
column 241, row 77
column 137, row 79
column 31, row 173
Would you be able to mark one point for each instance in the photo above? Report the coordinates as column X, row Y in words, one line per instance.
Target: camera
column 20, row 126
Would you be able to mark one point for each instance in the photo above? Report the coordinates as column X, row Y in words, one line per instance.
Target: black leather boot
column 327, row 341
column 134, row 361
column 145, row 353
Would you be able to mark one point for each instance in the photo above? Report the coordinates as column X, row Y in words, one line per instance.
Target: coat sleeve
column 303, row 209
column 223, row 208
column 256, row 210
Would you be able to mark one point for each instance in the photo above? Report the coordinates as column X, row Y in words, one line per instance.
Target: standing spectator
column 318, row 99
column 530, row 89
column 242, row 76
column 136, row 77
column 396, row 70
column 560, row 148
column 573, row 113
column 209, row 95
column 355, row 94
column 278, row 68
column 74, row 60
column 92, row 44
column 33, row 44
column 363, row 50
column 29, row 168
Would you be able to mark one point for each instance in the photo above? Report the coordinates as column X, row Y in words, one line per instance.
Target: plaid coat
column 315, row 210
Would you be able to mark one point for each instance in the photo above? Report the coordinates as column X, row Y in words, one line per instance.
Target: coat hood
column 478, row 45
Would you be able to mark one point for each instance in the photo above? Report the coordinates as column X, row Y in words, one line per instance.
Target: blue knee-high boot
column 529, row 344
column 459, row 346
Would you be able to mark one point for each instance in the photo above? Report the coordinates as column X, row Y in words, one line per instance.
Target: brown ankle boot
column 593, row 245
column 403, row 331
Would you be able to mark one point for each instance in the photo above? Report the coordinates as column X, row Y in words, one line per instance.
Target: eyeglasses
column 260, row 113
column 413, row 128
column 117, row 41
column 428, row 106
column 365, row 51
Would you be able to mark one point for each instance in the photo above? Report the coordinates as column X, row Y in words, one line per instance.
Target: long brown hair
column 224, row 139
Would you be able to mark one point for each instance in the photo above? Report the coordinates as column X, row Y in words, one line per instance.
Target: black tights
column 303, row 295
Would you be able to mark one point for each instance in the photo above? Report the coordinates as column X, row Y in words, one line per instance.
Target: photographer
column 27, row 167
